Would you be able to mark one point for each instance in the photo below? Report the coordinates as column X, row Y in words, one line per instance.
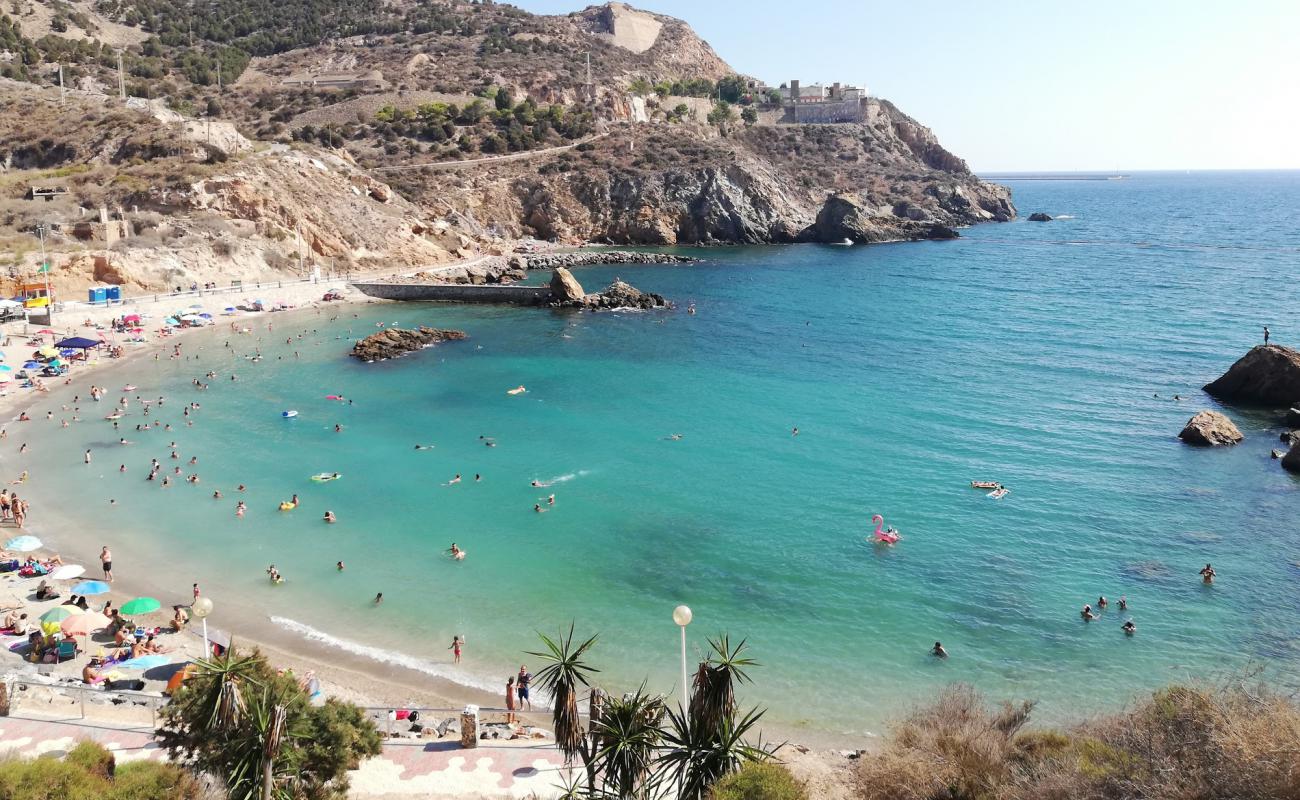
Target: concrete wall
column 848, row 111
column 457, row 293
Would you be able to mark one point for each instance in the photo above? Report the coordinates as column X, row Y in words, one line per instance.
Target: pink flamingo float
column 883, row 536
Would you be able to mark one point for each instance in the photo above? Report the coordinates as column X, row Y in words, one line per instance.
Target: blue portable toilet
column 98, row 294
column 114, row 292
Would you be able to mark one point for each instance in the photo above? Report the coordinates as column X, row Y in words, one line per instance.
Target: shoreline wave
column 385, row 656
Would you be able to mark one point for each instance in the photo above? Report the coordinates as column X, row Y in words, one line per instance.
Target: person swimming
column 454, row 480
column 1101, row 602
column 1129, row 628
column 456, row 552
column 1087, row 614
column 1123, row 603
column 538, row 508
column 1208, row 574
column 424, row 447
column 938, row 651
column 329, row 516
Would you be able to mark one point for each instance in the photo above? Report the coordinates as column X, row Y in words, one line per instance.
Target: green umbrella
column 59, row 613
column 140, row 605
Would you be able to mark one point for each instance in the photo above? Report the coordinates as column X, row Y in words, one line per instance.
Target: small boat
column 985, row 485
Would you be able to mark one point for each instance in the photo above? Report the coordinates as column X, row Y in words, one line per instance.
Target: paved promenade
column 432, row 769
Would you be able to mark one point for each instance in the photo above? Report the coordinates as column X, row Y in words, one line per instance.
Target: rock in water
column 1269, row 375
column 1210, row 429
column 1039, row 216
column 622, row 295
column 566, row 287
column 1291, row 418
column 1291, row 461
column 394, row 342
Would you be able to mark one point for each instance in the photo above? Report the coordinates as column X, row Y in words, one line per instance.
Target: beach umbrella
column 32, row 365
column 90, row 587
column 23, row 544
column 140, row 605
column 67, row 572
column 6, row 368
column 48, row 351
column 83, row 624
column 169, row 321
column 46, row 331
column 145, row 662
column 205, row 315
column 52, row 620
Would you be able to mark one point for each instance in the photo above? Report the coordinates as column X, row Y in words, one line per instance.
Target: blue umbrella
column 23, row 544
column 90, row 587
column 6, row 368
column 145, row 662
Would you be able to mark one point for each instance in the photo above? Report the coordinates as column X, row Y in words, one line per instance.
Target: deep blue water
column 1027, row 353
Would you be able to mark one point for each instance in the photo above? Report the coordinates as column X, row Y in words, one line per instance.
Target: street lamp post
column 202, row 608
column 45, row 267
column 682, row 616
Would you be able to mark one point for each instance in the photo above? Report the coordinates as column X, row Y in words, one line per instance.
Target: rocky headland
column 394, row 342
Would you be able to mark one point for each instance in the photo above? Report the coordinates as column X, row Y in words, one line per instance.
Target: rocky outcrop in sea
column 568, row 293
column 394, row 342
column 1210, row 429
column 1269, row 375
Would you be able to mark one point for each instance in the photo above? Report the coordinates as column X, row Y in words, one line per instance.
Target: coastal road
column 472, row 162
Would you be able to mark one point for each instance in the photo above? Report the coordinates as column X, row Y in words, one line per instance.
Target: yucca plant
column 626, row 737
column 694, row 758
column 564, row 672
column 713, row 698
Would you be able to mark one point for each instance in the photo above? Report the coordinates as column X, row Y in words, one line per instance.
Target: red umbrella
column 47, row 330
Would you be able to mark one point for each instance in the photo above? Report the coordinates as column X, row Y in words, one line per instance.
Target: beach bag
column 135, row 685
column 10, row 566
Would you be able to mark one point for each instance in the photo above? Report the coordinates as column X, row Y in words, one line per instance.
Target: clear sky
column 1155, row 84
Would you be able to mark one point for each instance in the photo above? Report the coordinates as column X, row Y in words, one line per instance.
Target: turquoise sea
column 1044, row 356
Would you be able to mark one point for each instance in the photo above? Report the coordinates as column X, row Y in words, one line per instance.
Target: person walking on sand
column 1265, row 334
column 510, row 700
column 106, row 560
column 521, row 687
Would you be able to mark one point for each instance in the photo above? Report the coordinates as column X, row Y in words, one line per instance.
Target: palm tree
column 565, row 670
column 626, row 736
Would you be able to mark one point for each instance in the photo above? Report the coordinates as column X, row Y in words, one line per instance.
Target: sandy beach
column 347, row 677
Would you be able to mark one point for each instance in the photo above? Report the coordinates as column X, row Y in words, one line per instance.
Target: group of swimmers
column 1089, row 614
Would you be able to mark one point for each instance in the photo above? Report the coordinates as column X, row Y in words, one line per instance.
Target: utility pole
column 121, row 77
column 61, row 92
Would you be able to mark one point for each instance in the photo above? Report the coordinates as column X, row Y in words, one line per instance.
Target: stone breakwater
column 394, row 342
column 553, row 260
column 566, row 292
column 508, row 269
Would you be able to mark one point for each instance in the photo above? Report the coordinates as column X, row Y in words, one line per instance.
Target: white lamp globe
column 201, row 608
column 682, row 616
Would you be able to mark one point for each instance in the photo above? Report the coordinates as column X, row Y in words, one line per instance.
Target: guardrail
column 152, row 699
column 385, row 717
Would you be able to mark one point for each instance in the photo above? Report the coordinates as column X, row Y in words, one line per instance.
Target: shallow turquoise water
column 1025, row 353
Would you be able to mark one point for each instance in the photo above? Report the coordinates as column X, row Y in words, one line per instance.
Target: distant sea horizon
column 1045, row 356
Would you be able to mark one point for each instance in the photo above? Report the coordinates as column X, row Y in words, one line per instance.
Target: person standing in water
column 456, row 642
column 1208, row 574
column 938, row 651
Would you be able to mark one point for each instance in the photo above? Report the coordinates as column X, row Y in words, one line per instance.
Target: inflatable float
column 890, row 536
column 999, row 493
column 290, row 414
column 288, row 506
column 326, row 476
column 516, row 390
column 333, row 397
column 130, row 387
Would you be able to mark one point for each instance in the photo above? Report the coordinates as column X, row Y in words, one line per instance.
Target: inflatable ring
column 288, row 506
column 290, row 414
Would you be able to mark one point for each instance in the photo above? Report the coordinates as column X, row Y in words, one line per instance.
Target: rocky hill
column 366, row 134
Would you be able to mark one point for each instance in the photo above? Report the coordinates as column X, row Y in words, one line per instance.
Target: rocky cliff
column 1268, row 375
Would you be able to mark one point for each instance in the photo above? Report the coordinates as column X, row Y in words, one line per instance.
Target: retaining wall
column 457, row 293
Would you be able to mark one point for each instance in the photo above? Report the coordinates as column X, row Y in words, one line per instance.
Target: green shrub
column 87, row 773
column 759, row 781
